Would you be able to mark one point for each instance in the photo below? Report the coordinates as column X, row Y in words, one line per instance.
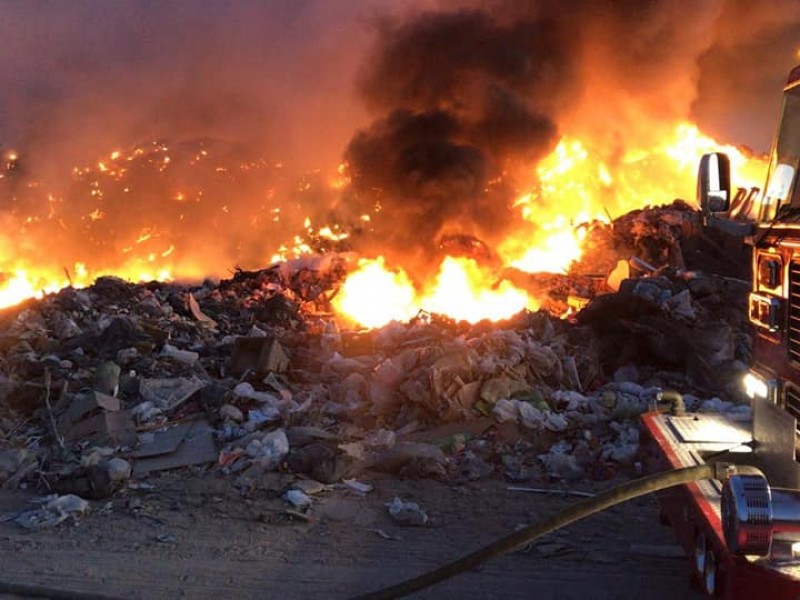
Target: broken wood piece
column 198, row 314
column 164, row 441
column 86, row 404
column 273, row 358
column 116, row 427
column 262, row 355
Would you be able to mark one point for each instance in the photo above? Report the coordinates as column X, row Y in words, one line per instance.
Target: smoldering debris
column 276, row 389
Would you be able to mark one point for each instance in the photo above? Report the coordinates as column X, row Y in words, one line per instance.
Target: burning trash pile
column 469, row 296
column 112, row 384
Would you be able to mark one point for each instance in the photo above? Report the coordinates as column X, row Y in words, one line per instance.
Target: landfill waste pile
column 104, row 388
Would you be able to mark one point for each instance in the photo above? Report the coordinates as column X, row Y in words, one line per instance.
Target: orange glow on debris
column 579, row 182
column 573, row 186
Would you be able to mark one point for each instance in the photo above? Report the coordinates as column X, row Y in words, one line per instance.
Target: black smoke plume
column 465, row 96
column 454, row 103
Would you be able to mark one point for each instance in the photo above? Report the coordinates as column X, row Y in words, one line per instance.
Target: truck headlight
column 756, row 386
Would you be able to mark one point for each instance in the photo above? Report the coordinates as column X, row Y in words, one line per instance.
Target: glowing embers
column 9, row 161
column 249, row 211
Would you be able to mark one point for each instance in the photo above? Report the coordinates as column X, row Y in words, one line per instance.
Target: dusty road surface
column 195, row 535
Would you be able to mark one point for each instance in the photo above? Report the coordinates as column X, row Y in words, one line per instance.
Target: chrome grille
column 794, row 312
column 792, row 402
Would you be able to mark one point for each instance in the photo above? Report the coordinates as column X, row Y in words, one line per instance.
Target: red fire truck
column 744, row 535
column 738, row 517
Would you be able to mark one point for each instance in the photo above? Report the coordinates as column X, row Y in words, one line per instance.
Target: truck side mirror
column 714, row 183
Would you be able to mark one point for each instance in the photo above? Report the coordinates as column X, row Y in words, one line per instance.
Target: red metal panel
column 689, row 510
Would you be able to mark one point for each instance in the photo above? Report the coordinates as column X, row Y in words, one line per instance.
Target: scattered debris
column 54, row 510
column 357, row 487
column 169, row 394
column 407, row 513
column 166, row 538
column 552, row 492
column 386, row 536
column 309, row 486
column 297, row 499
column 253, row 378
column 187, row 444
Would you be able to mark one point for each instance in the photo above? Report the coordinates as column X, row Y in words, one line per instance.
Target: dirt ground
column 195, row 535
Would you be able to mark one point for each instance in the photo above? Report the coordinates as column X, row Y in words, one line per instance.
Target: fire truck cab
column 771, row 224
column 744, row 535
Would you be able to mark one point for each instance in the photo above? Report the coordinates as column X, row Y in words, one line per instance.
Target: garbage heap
column 118, row 382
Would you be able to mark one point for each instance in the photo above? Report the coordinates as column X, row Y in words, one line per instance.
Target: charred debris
column 102, row 389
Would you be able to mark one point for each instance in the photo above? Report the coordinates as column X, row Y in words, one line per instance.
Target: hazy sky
column 91, row 74
column 86, row 75
column 433, row 102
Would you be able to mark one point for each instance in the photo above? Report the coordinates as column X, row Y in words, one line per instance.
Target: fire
column 19, row 286
column 24, row 283
column 374, row 295
column 573, row 186
column 465, row 291
column 578, row 183
column 342, row 180
column 558, row 249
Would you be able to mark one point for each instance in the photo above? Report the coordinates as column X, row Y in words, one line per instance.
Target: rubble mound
column 253, row 375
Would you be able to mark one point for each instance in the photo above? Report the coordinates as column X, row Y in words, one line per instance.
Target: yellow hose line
column 571, row 514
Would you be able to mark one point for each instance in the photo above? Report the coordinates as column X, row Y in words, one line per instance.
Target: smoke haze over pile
column 463, row 94
column 252, row 80
column 463, row 97
column 429, row 102
column 90, row 75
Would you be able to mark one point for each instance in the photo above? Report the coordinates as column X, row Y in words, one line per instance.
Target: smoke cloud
column 266, row 88
column 441, row 110
column 741, row 74
column 81, row 77
column 463, row 98
column 463, row 94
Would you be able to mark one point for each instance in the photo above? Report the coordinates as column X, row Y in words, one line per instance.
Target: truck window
column 782, row 178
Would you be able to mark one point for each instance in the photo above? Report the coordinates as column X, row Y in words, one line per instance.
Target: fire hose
column 52, row 593
column 571, row 514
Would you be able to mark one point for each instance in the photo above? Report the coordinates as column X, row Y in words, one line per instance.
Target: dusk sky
column 84, row 76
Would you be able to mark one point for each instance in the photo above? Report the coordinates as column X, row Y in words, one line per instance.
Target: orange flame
column 465, row 291
column 577, row 183
column 374, row 295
